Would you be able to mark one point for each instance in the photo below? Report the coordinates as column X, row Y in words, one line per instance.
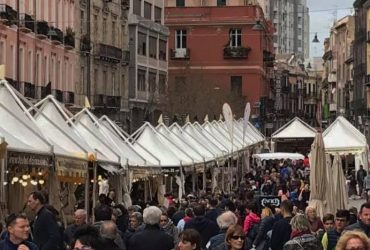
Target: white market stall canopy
column 17, row 126
column 342, row 136
column 278, row 156
column 296, row 128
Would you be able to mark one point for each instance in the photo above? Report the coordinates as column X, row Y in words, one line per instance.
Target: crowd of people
column 217, row 221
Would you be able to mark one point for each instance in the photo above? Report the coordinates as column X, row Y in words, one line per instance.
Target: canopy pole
column 87, row 193
column 230, row 174
column 223, row 179
column 3, row 194
column 204, row 178
column 171, row 183
column 94, row 189
column 193, row 179
column 237, row 171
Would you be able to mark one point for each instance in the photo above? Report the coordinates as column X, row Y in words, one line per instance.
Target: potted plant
column 69, row 38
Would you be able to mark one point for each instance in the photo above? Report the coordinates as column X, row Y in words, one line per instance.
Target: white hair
column 152, row 215
column 81, row 212
column 226, row 219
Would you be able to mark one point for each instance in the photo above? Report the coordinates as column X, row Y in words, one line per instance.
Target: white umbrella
column 318, row 176
column 340, row 192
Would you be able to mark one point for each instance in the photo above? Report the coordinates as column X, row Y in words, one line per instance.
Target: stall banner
column 170, row 170
column 71, row 167
column 25, row 159
column 269, row 201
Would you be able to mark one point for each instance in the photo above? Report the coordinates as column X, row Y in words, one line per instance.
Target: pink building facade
column 39, row 53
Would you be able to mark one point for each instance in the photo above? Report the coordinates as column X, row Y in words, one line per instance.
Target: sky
column 322, row 15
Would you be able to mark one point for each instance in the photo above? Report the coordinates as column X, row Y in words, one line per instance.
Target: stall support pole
column 87, row 203
column 171, row 183
column 223, row 179
column 145, row 191
column 204, row 179
column 2, row 191
column 194, row 177
column 94, row 189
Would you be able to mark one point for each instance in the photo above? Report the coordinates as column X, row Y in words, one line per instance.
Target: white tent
column 85, row 126
column 251, row 132
column 278, row 156
column 295, row 128
column 127, row 152
column 221, row 134
column 158, row 146
column 52, row 122
column 17, row 125
column 343, row 138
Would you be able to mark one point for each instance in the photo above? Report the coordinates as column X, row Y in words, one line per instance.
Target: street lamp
column 258, row 26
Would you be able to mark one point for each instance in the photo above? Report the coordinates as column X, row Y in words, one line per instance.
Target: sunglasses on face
column 237, row 237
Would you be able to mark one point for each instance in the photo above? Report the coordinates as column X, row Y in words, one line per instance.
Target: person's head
column 212, row 203
column 88, row 238
column 102, row 199
column 199, row 210
column 286, row 208
column 266, row 212
column 235, row 237
column 311, row 213
column 103, row 212
column 135, row 220
column 189, row 212
column 341, row 219
column 361, row 167
column 328, row 221
column 364, row 214
column 112, row 195
column 189, row 239
column 80, row 217
column 18, row 227
column 353, row 240
column 300, row 223
column 152, row 215
column 164, row 220
column 108, row 230
column 250, row 207
column 226, row 219
column 35, row 201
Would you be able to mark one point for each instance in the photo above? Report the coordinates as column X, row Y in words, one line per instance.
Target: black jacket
column 265, row 226
column 204, row 226
column 361, row 227
column 152, row 237
column 213, row 213
column 280, row 233
column 45, row 231
column 6, row 244
column 217, row 240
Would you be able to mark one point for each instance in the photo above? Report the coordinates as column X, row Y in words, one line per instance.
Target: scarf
column 296, row 233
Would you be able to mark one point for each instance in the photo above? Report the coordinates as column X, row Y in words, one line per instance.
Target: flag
column 87, row 103
column 247, row 113
column 2, row 72
column 319, row 113
column 228, row 115
column 160, row 119
column 206, row 118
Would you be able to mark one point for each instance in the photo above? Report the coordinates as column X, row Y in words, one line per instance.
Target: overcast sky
column 322, row 16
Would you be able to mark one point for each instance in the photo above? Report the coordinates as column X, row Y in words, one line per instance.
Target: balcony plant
column 236, row 52
column 85, row 43
column 42, row 28
column 69, row 38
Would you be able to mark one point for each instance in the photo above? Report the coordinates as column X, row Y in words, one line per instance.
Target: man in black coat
column 203, row 225
column 45, row 229
column 282, row 229
column 213, row 211
column 151, row 237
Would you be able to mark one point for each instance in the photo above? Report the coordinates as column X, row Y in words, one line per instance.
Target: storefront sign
column 270, row 201
column 25, row 159
column 169, row 170
column 71, row 167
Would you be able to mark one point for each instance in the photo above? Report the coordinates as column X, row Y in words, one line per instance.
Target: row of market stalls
column 75, row 157
column 341, row 137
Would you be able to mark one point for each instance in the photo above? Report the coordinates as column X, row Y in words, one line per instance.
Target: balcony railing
column 58, row 38
column 8, row 14
column 26, row 24
column 58, row 94
column 126, row 57
column 16, row 85
column 42, row 29
column 236, row 52
column 180, row 54
column 29, row 90
column 108, row 53
column 68, row 97
column 100, row 100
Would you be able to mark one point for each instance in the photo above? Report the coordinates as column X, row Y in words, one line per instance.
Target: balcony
column 69, row 39
column 42, row 30
column 367, row 80
column 180, row 54
column 26, row 24
column 68, row 97
column 29, row 90
column 285, row 89
column 85, row 45
column 100, row 101
column 113, row 101
column 16, row 85
column 58, row 94
column 125, row 57
column 57, row 39
column 236, row 52
column 125, row 4
column 8, row 15
column 108, row 53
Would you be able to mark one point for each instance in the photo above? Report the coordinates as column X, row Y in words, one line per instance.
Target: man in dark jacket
column 213, row 211
column 109, row 231
column 80, row 219
column 281, row 230
column 151, row 237
column 364, row 223
column 204, row 226
column 223, row 221
column 18, row 228
column 45, row 231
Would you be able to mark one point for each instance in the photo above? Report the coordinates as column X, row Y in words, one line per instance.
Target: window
column 96, row 27
column 147, row 10
column 221, row 2
column 180, row 3
column 141, row 80
column 96, row 77
column 104, row 30
column 235, row 37
column 157, row 14
column 141, row 49
column 113, row 33
column 105, row 80
column 236, row 85
column 82, row 76
column 2, row 52
column 137, row 7
column 162, row 50
column 180, row 42
column 152, row 82
column 162, row 83
column 82, row 26
column 114, row 93
column 153, row 47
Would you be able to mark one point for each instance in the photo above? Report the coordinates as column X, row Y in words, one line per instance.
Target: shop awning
column 112, row 169
column 296, row 128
